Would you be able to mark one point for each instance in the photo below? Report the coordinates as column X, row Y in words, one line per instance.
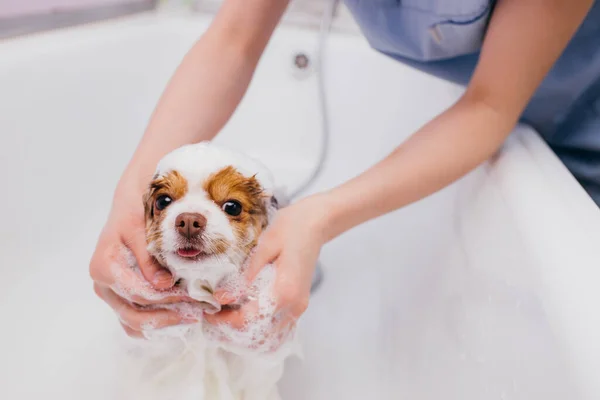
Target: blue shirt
column 444, row 37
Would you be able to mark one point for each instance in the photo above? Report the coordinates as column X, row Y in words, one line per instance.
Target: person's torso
column 444, row 37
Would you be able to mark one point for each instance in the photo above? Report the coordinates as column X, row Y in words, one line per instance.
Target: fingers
column 142, row 301
column 224, row 297
column 280, row 326
column 235, row 318
column 292, row 298
column 266, row 252
column 131, row 285
column 131, row 333
column 109, row 265
column 284, row 326
column 105, row 256
column 139, row 319
column 110, row 268
column 158, row 276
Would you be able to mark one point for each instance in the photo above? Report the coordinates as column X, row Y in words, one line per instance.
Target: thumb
column 266, row 252
column 158, row 276
column 224, row 297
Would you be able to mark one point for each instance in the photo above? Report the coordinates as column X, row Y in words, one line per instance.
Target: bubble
column 176, row 356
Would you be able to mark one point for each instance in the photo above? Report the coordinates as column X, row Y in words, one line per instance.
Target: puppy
column 205, row 210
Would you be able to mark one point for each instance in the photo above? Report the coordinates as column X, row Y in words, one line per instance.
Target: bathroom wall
column 14, row 8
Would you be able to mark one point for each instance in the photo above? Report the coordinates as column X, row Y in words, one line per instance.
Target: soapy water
column 265, row 330
column 203, row 361
column 124, row 269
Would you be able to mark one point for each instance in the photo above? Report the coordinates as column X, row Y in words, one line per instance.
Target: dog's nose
column 190, row 225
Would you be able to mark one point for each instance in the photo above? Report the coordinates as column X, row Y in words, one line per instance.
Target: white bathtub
column 486, row 290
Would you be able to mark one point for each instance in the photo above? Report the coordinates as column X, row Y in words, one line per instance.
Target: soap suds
column 202, row 361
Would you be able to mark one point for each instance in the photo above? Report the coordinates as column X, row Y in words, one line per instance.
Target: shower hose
column 324, row 29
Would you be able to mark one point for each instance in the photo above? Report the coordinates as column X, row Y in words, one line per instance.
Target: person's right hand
column 118, row 283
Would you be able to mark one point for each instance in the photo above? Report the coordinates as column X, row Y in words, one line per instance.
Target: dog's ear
column 148, row 200
column 272, row 207
column 275, row 200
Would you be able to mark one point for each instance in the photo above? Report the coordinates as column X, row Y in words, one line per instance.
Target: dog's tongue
column 188, row 252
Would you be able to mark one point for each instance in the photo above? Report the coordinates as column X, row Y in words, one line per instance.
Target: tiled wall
column 11, row 8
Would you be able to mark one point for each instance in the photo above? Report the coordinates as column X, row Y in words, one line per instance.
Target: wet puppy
column 205, row 210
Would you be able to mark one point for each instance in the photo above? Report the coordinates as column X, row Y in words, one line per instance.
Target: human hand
column 127, row 290
column 292, row 243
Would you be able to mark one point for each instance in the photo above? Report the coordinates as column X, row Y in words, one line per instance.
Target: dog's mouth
column 191, row 253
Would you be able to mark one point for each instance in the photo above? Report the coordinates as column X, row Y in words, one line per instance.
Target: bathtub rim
column 28, row 24
column 568, row 273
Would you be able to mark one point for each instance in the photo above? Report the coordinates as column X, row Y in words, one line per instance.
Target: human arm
column 199, row 99
column 524, row 39
column 209, row 83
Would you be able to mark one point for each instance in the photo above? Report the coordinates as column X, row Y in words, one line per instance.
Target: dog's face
column 206, row 205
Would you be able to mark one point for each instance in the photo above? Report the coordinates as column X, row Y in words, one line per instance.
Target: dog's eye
column 162, row 202
column 232, row 208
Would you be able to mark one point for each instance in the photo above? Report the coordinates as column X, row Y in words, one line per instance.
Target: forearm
column 441, row 152
column 209, row 83
column 199, row 99
column 523, row 40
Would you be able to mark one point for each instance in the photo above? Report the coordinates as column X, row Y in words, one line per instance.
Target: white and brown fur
column 200, row 180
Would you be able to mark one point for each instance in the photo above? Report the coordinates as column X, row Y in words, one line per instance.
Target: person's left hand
column 292, row 243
